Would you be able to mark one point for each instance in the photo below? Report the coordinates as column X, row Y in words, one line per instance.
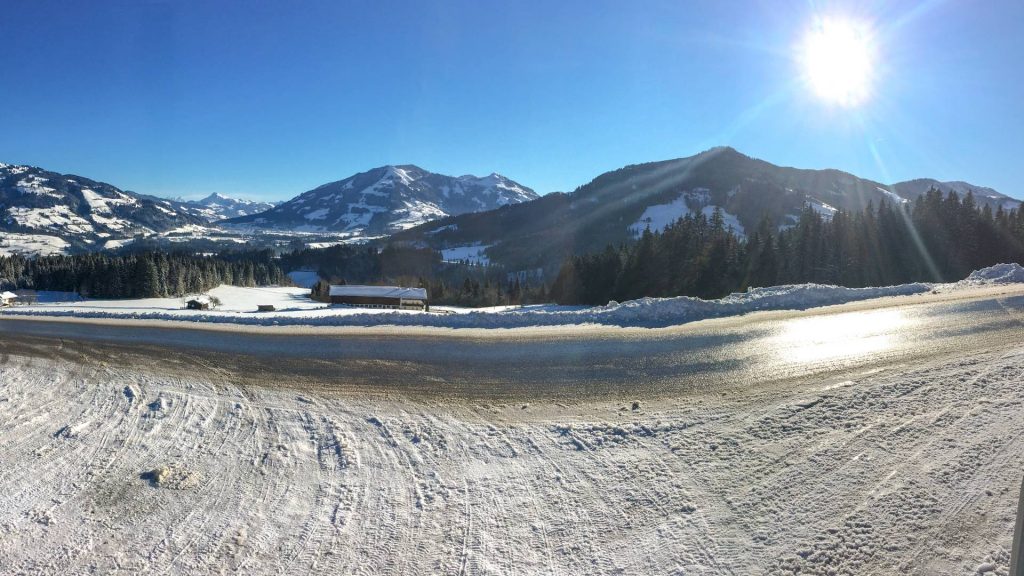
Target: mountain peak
column 721, row 149
column 390, row 198
column 215, row 197
column 219, row 206
column 614, row 206
column 406, row 173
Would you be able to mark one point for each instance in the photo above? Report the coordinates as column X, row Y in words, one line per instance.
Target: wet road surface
column 704, row 355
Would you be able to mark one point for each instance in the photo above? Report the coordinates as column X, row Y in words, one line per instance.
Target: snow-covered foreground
column 908, row 471
column 295, row 308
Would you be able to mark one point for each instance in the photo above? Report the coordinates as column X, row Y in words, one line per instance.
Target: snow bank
column 295, row 309
column 998, row 274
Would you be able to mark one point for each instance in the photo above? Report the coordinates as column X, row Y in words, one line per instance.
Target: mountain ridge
column 387, row 199
column 617, row 205
column 73, row 212
column 43, row 211
column 216, row 207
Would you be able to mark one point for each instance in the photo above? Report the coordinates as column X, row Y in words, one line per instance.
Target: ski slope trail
column 846, row 454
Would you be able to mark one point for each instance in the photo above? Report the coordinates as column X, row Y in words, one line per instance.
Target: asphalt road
column 765, row 349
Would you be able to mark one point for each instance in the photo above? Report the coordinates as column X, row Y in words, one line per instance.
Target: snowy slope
column 658, row 216
column 911, row 470
column 31, row 244
column 475, row 254
column 388, row 199
column 47, row 212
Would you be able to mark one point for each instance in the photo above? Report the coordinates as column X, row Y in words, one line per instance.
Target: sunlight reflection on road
column 840, row 336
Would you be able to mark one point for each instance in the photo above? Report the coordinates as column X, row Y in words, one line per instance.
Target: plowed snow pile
column 294, row 308
column 998, row 274
column 106, row 469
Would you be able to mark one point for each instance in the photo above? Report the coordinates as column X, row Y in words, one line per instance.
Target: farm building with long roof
column 379, row 296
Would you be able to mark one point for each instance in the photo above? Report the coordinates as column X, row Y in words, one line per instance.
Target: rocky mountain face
column 386, row 200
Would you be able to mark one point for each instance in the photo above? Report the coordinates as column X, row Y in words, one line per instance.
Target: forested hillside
column 139, row 275
column 936, row 238
column 459, row 284
column 615, row 207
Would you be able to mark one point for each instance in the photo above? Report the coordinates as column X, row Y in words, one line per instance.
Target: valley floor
column 909, row 467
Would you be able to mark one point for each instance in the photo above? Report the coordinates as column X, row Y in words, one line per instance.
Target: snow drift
column 998, row 274
column 645, row 312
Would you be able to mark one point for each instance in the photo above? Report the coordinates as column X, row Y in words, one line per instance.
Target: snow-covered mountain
column 45, row 212
column 388, row 199
column 217, row 207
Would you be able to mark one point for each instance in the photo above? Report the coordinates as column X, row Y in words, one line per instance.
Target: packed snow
column 998, row 274
column 293, row 307
column 167, row 463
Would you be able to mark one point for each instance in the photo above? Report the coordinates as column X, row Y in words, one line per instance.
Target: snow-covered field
column 475, row 254
column 107, row 468
column 294, row 308
column 31, row 244
column 304, row 278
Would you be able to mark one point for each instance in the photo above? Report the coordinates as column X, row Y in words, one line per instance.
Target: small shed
column 265, row 308
column 197, row 304
column 7, row 298
column 380, row 297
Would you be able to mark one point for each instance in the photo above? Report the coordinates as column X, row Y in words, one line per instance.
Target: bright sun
column 838, row 56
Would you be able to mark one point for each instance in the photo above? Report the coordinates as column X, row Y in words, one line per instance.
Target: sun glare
column 840, row 336
column 838, row 56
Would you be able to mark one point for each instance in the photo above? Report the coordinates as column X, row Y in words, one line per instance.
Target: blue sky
column 269, row 99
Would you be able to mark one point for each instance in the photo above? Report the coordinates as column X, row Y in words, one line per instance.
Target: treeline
column 139, row 275
column 458, row 284
column 474, row 292
column 935, row 238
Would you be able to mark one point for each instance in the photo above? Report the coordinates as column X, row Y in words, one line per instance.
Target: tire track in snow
column 311, row 485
